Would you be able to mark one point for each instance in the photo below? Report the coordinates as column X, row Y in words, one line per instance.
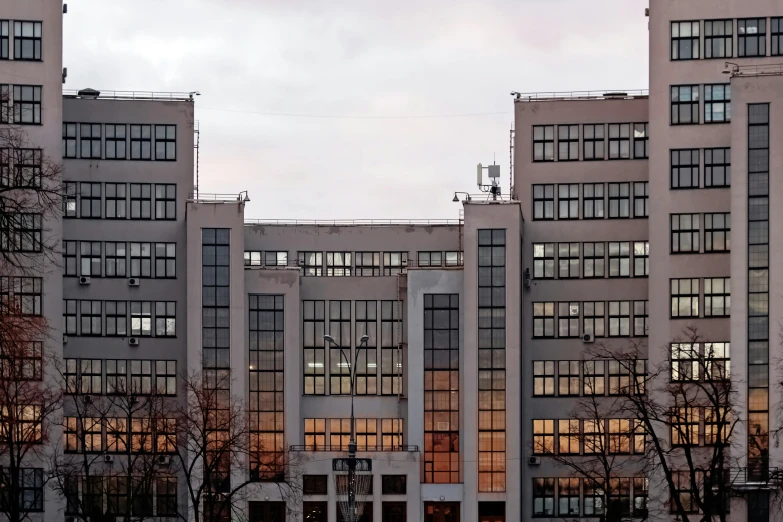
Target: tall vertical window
column 69, row 258
column 340, row 358
column 116, row 201
column 717, row 103
column 568, row 260
column 141, row 142
column 366, row 321
column 543, row 260
column 641, row 140
column 141, row 201
column 619, row 259
column 641, row 258
column 543, row 143
column 4, row 39
column 116, row 259
column 568, row 319
column 594, row 318
column 594, row 260
column 70, row 199
column 441, row 389
column 752, row 37
column 568, row 142
column 543, row 202
column 717, row 297
column 568, row 380
column 718, row 38
column 544, row 320
column 685, row 232
column 568, row 490
column 685, row 297
column 593, row 201
column 166, row 318
column 27, row 168
column 593, row 383
column 115, row 141
column 166, row 377
column 90, row 200
column 641, row 197
column 165, row 201
column 391, row 351
column 717, row 232
column 543, row 436
column 717, row 167
column 777, row 36
column 338, row 263
column 492, row 360
column 568, row 201
column 90, row 376
column 69, row 140
column 640, row 316
column 543, row 497
column 215, row 326
column 141, row 259
column 619, row 140
column 21, row 295
column 619, row 200
column 314, row 326
column 117, row 318
column 315, row 433
column 685, row 40
column 311, row 263
column 684, row 104
column 684, row 168
column 544, row 378
column 593, row 145
column 166, row 142
column 90, row 140
column 27, row 41
column 266, row 386
column 619, row 318
column 90, row 253
column 141, row 318
column 90, row 316
column 27, row 104
column 165, row 260
column 5, row 108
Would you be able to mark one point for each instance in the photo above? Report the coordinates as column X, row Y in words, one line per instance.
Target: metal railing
column 485, row 197
column 351, row 222
column 773, row 69
column 309, row 447
column 581, row 95
column 135, row 95
column 202, row 197
column 756, row 477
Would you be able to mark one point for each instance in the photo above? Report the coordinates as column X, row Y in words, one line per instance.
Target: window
column 27, row 40
column 165, row 201
column 619, row 377
column 717, row 426
column 717, row 365
column 619, row 318
column 166, row 142
column 165, row 260
column 543, row 497
column 4, row 39
column 640, row 486
column 116, row 318
column 543, row 320
column 69, row 140
column 166, row 496
column 717, row 232
column 338, row 264
column 568, row 495
column 313, row 345
column 275, row 258
column 717, row 297
column 315, row 433
column 91, row 319
column 685, row 233
column 568, row 260
column 454, row 258
column 543, row 202
column 568, row 383
column 91, row 374
column 90, row 196
column 140, row 259
column 641, row 198
column 619, row 141
column 543, row 260
column 568, row 142
column 685, row 426
column 594, row 432
column 21, row 232
column 311, row 263
column 640, row 315
column 69, row 199
column 568, row 436
column 594, row 260
column 543, row 436
column 141, row 318
column 685, row 361
column 5, row 95
column 685, row 168
column 685, row 297
column 165, row 318
column 141, row 142
column 543, row 143
column 717, row 167
column 685, row 40
column 252, row 258
column 71, row 433
column 717, row 103
column 568, row 201
column 90, row 252
column 21, row 295
column 90, row 140
column 391, row 434
column 430, row 259
column 340, row 433
column 752, row 37
column 619, row 259
column 27, row 104
column 641, row 258
column 116, row 376
column 544, row 378
column 641, row 140
column 69, row 317
column 685, row 104
column 568, row 319
column 593, row 201
column 141, row 377
column 777, row 36
column 314, row 484
column 366, row 374
column 718, row 38
column 620, row 436
column 368, row 263
column 594, row 379
column 141, row 200
column 619, row 200
column 315, row 511
column 92, row 432
column 340, row 330
column 394, row 263
column 391, row 337
column 115, row 141
column 141, row 435
column 166, row 377
column 594, row 319
column 69, row 257
column 393, row 484
column 593, row 142
column 116, row 201
column 26, row 169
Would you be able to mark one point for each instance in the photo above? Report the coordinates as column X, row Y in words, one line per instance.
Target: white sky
column 361, row 60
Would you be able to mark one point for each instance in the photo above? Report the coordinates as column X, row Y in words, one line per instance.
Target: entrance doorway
column 441, row 512
column 266, row 512
column 492, row 511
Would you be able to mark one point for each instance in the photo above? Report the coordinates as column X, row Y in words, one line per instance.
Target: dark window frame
column 715, row 95
column 22, row 104
column 680, row 295
column 616, row 198
column 776, row 35
column 591, row 141
column 166, row 201
column 724, row 41
column 682, row 226
column 567, row 201
column 544, row 261
column 593, row 204
column 543, row 140
column 693, row 101
column 619, row 135
column 717, row 297
column 90, row 145
column 717, row 158
column 568, row 136
column 641, row 140
column 118, row 145
column 70, row 140
column 36, row 39
column 141, row 137
column 166, row 135
column 115, row 204
column 743, row 37
column 641, row 197
column 544, row 202
column 717, row 225
column 676, row 40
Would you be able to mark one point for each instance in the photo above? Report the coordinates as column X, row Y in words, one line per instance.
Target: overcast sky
column 336, row 71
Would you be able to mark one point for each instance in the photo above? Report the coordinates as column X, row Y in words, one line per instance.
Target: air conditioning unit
column 133, row 281
column 164, row 460
column 133, row 341
column 84, row 280
column 534, row 461
column 108, row 458
column 588, row 338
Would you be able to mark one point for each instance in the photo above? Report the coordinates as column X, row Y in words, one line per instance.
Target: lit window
column 543, row 319
column 544, row 378
column 717, row 232
column 543, row 436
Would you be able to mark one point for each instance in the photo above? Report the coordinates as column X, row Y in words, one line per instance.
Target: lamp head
column 456, row 199
column 329, row 339
column 364, row 339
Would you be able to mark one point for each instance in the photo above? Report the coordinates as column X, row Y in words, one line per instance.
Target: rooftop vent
column 89, row 94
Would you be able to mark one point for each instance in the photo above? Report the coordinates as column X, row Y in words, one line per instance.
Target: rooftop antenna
column 493, row 172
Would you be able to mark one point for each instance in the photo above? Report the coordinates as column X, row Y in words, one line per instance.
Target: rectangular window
column 593, row 201
column 165, row 318
column 568, row 494
column 544, row 378
column 718, row 38
column 619, row 377
column 641, row 258
column 366, row 374
column 568, row 201
column 90, row 140
column 640, row 314
column 141, row 259
column 543, row 497
column 71, row 432
column 544, row 260
column 454, row 258
column 684, row 104
column 544, row 320
column 338, row 264
column 141, row 377
column 543, row 143
column 278, row 258
column 165, row 142
column 395, row 263
column 340, row 433
column 594, row 260
column 69, row 140
column 641, row 140
column 315, row 434
column 116, row 376
column 20, row 167
column 594, row 379
column 166, row 496
column 116, row 259
column 90, row 196
column 685, row 361
column 594, row 434
column 71, row 376
column 340, row 330
column 685, row 40
column 717, row 103
column 543, row 437
column 5, row 107
column 752, row 37
column 368, row 263
column 568, row 319
column 426, row 259
column 91, row 318
column 717, row 297
column 641, row 199
column 777, row 36
column 311, row 263
column 717, row 167
column 116, row 201
column 27, row 40
column 115, row 141
column 594, row 318
column 568, row 142
column 141, row 200
column 91, row 374
column 391, row 354
column 27, row 104
column 314, row 484
column 717, row 232
column 685, row 232
column 69, row 317
column 141, row 318
column 314, row 325
column 685, row 168
column 252, row 257
column 166, row 377
column 685, row 297
column 92, row 431
column 90, row 252
column 21, row 232
column 717, row 366
column 619, row 200
column 543, row 202
column 619, row 141
column 21, row 295
column 568, row 260
column 69, row 199
column 391, row 434
column 116, row 435
column 620, row 435
column 593, row 142
column 685, row 426
column 619, row 259
column 393, row 484
column 619, row 318
column 165, row 260
column 165, row 201
column 69, row 258
column 568, row 436
column 568, row 381
column 141, row 142
column 4, row 39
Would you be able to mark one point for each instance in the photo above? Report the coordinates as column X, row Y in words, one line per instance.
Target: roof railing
column 581, row 95
column 202, row 197
column 351, row 222
column 131, row 95
column 772, row 69
column 360, row 449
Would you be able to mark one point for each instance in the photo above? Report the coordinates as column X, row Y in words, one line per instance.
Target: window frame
column 567, row 201
column 717, row 288
column 595, row 203
column 743, row 37
column 570, row 254
column 594, row 315
column 619, row 135
column 593, row 258
column 776, row 36
column 543, row 197
column 619, row 212
column 676, row 49
column 713, row 228
column 710, row 163
column 35, row 104
column 641, row 139
column 114, row 142
column 622, row 252
column 545, row 140
column 695, row 104
column 682, row 230
column 88, row 138
column 21, row 38
column 140, row 140
column 712, row 37
column 165, row 201
column 593, row 141
column 641, row 197
column 677, row 167
column 676, row 293
column 544, row 378
column 169, row 152
column 571, row 141
column 710, row 101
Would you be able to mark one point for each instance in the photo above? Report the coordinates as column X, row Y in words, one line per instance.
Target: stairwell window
column 685, row 43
